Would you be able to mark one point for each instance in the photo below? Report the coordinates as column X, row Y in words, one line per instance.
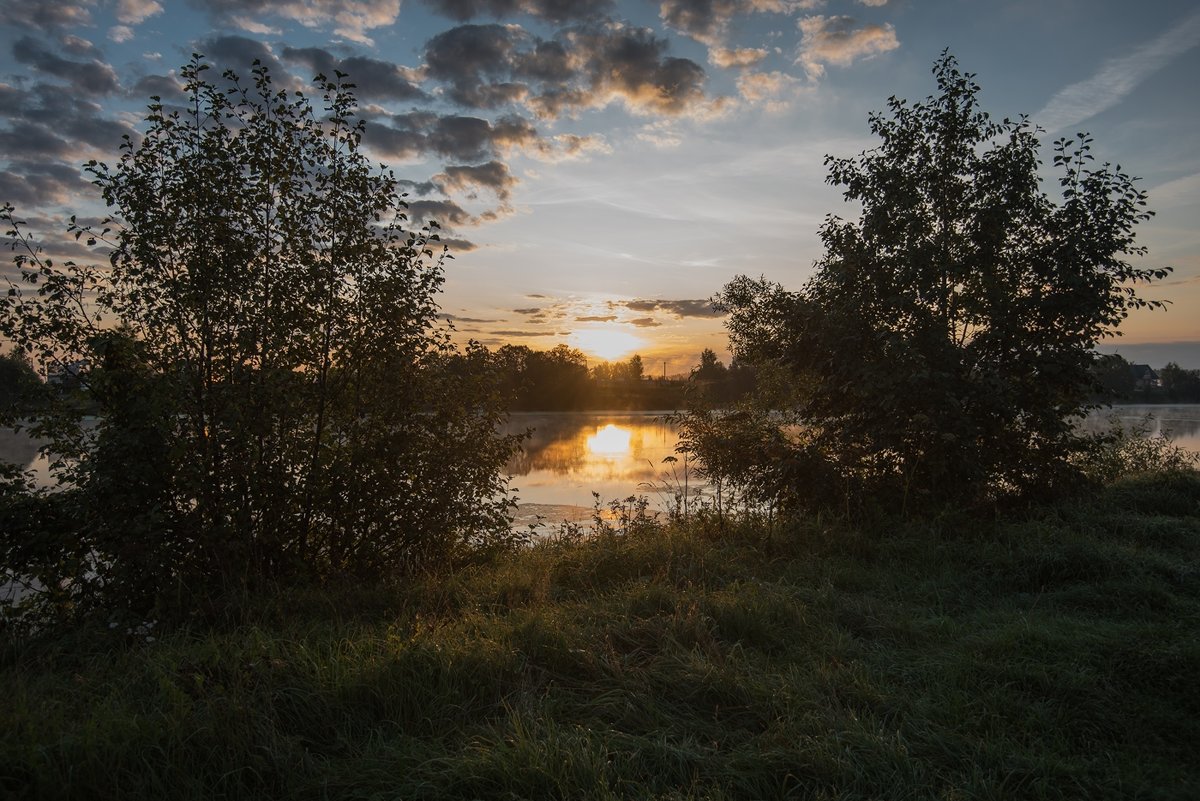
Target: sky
column 602, row 168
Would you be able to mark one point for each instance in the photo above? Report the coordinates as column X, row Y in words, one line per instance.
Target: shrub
column 947, row 338
column 274, row 394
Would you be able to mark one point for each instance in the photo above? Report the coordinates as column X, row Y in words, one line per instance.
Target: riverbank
column 1050, row 654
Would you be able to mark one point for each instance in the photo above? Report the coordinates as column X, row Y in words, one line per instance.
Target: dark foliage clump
column 947, row 338
column 270, row 394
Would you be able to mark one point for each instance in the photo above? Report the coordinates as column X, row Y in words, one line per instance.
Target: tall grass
column 1050, row 654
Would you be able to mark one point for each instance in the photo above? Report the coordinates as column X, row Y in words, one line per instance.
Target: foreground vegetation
column 298, row 476
column 1042, row 654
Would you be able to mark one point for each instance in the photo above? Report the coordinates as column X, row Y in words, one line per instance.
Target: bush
column 274, row 395
column 1125, row 451
column 947, row 338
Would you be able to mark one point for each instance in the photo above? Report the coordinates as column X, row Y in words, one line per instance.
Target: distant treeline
column 1121, row 380
column 560, row 380
column 19, row 382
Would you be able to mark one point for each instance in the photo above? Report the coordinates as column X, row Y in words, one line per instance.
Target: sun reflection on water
column 611, row 441
column 570, row 455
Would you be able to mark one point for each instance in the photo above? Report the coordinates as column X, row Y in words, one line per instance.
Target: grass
column 1046, row 655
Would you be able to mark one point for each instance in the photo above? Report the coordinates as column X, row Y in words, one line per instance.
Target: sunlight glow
column 606, row 343
column 611, row 440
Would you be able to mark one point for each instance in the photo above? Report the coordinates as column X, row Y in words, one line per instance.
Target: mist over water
column 1181, row 422
column 570, row 455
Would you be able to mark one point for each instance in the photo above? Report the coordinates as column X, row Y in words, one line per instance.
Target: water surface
column 1179, row 422
column 570, row 455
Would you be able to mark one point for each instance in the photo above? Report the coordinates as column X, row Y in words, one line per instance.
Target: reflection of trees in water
column 1181, row 423
column 559, row 444
column 18, row 448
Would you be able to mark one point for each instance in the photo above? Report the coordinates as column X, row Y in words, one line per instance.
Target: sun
column 607, row 343
column 612, row 440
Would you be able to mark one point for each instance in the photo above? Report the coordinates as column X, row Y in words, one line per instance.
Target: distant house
column 1144, row 377
column 67, row 374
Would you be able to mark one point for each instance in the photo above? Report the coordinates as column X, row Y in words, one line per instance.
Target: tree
column 634, row 369
column 264, row 352
column 1180, row 384
column 711, row 368
column 946, row 339
column 551, row 379
column 1113, row 376
column 20, row 386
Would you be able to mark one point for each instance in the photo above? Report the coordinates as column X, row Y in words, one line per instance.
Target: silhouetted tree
column 634, row 369
column 279, row 398
column 556, row 379
column 20, row 386
column 1114, row 376
column 1180, row 385
column 711, row 368
column 947, row 336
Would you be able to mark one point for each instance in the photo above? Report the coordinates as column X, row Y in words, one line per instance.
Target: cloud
column 528, row 311
column 551, row 10
column 131, row 12
column 678, row 308
column 450, row 215
column 254, row 26
column 94, row 76
column 521, row 333
column 31, row 141
column 166, row 87
column 470, row 138
column 52, row 122
column 55, row 242
column 661, row 134
column 596, row 318
column 349, row 18
column 120, row 33
column 77, row 46
column 708, row 21
column 458, row 245
column 566, row 147
column 644, row 322
column 445, row 212
column 455, row 318
column 39, row 184
column 475, row 61
column 586, row 66
column 420, row 188
column 492, row 176
column 739, row 57
column 46, row 15
column 703, row 20
column 631, row 65
column 239, row 53
column 1118, row 77
column 394, row 142
column 836, row 40
column 373, row 79
column 466, row 139
column 767, row 88
column 1178, row 192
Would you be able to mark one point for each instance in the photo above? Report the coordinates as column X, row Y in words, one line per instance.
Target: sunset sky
column 601, row 167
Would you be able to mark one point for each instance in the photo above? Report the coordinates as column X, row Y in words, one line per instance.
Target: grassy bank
column 1048, row 655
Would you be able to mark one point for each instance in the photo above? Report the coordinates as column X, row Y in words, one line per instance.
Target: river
column 570, row 455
